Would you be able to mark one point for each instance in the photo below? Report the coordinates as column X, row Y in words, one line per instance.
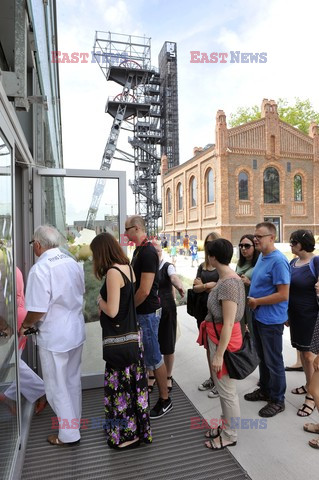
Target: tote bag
column 244, row 361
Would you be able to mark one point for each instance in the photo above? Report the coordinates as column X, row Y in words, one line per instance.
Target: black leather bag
column 120, row 340
column 197, row 304
column 191, row 302
column 242, row 363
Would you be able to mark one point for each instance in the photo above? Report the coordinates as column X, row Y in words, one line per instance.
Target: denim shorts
column 149, row 324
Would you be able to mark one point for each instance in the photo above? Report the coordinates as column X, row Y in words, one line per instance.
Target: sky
column 285, row 30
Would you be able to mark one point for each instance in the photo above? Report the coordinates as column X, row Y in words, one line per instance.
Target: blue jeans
column 149, row 324
column 268, row 341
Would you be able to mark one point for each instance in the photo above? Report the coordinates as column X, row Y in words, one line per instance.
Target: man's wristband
column 205, row 286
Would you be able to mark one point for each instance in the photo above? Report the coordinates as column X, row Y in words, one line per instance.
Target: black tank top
column 125, row 293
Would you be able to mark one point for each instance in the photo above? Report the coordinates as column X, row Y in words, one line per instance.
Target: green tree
column 299, row 115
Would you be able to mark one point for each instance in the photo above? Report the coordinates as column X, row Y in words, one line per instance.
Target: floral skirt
column 126, row 404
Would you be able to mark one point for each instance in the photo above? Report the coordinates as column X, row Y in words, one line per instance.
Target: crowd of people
column 277, row 294
column 263, row 294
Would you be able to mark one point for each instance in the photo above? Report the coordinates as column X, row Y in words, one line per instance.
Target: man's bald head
column 136, row 220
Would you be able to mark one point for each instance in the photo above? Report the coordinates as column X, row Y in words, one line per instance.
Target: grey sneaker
column 213, row 393
column 207, row 385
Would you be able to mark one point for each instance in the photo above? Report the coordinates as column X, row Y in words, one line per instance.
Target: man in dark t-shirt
column 144, row 261
column 145, row 264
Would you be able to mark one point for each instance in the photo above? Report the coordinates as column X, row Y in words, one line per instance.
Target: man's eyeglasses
column 259, row 237
column 31, row 241
column 245, row 245
column 128, row 228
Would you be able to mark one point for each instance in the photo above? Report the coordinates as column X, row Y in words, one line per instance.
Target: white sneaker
column 213, row 393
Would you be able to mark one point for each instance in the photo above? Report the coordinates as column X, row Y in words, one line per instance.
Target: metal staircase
column 126, row 60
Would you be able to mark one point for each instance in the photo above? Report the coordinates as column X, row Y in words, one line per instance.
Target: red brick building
column 262, row 170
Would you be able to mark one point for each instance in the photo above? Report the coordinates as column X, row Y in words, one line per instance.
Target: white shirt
column 170, row 270
column 56, row 286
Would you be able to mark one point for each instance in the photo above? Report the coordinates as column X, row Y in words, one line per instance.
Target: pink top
column 21, row 314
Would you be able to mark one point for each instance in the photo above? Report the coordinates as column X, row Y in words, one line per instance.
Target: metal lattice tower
column 126, row 60
column 167, row 61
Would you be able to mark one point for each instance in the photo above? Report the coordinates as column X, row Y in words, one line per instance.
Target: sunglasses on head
column 245, row 245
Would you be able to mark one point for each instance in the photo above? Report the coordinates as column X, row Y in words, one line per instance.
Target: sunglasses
column 293, row 242
column 259, row 237
column 245, row 245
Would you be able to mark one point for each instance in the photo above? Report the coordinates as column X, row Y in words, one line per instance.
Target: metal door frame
column 91, row 380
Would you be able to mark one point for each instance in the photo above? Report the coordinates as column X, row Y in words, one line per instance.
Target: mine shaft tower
column 147, row 107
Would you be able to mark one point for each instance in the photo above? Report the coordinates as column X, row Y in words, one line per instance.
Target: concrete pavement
column 278, row 451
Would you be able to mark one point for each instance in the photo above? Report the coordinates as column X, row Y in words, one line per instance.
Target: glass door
column 9, row 390
column 82, row 204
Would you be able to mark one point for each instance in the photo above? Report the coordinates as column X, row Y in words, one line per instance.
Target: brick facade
column 246, row 164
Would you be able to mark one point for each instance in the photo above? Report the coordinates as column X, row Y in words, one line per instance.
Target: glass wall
column 9, row 431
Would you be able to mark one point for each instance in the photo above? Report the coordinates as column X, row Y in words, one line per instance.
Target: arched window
column 210, row 194
column 271, row 185
column 180, row 196
column 168, row 200
column 243, row 186
column 297, row 188
column 193, row 192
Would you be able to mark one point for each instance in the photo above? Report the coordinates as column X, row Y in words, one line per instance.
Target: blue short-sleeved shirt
column 270, row 270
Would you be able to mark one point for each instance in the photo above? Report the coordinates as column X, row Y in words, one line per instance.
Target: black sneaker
column 213, row 393
column 207, row 385
column 256, row 396
column 161, row 408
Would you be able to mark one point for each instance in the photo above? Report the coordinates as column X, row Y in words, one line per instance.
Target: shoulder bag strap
column 122, row 274
column 132, row 289
column 132, row 295
column 215, row 329
column 313, row 267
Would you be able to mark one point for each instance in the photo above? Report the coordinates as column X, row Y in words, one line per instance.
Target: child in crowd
column 194, row 253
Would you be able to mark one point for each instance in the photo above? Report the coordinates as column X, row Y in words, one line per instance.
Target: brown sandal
column 54, row 440
column 215, row 446
column 314, row 443
column 299, row 390
column 311, row 427
column 213, row 432
column 306, row 409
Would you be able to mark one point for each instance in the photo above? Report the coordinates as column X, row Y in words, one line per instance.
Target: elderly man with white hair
column 54, row 299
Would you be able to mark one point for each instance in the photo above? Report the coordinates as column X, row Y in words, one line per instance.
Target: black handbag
column 191, row 302
column 197, row 304
column 242, row 363
column 121, row 340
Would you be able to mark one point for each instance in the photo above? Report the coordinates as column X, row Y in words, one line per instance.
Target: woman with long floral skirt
column 125, row 389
